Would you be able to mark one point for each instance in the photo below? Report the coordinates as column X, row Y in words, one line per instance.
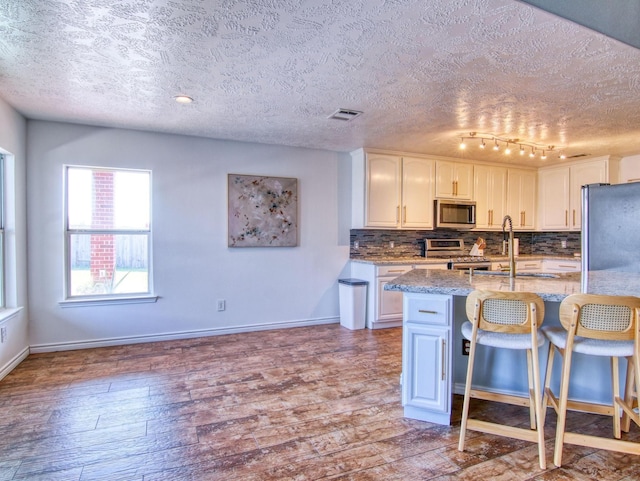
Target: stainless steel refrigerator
column 611, row 227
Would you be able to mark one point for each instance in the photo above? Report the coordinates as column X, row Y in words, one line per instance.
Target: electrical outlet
column 563, row 244
column 356, row 245
column 466, row 347
column 391, row 244
column 3, row 334
column 221, row 305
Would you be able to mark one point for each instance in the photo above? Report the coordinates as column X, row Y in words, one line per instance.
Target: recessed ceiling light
column 183, row 99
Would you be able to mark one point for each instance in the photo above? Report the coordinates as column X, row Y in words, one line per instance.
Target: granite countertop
column 553, row 289
column 413, row 260
column 398, row 261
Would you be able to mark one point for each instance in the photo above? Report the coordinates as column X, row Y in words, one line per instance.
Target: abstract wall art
column 263, row 211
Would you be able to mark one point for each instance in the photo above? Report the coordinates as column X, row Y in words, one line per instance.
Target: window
column 108, row 232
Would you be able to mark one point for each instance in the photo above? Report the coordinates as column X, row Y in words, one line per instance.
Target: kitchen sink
column 518, row 274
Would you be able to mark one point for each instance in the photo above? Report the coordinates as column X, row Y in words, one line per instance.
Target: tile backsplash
column 403, row 243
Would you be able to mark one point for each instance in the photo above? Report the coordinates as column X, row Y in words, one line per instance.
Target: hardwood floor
column 305, row 404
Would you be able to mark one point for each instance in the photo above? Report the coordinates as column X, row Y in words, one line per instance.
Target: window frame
column 107, row 298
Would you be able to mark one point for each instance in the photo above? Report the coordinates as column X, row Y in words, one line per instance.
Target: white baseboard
column 11, row 365
column 118, row 341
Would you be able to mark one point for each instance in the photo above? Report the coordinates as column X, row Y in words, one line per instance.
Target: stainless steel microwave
column 455, row 214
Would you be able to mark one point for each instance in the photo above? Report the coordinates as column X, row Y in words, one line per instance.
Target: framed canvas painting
column 263, row 211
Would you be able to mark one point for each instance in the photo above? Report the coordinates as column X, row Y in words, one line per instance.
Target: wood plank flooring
column 302, row 404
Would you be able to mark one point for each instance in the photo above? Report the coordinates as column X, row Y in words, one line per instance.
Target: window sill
column 8, row 313
column 108, row 302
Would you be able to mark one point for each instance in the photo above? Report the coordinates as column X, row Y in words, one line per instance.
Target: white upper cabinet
column 489, row 187
column 630, row 169
column 454, row 180
column 398, row 191
column 383, row 190
column 560, row 191
column 521, row 198
column 583, row 174
column 554, row 198
column 417, row 193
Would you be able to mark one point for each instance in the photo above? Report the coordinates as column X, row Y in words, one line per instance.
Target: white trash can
column 353, row 302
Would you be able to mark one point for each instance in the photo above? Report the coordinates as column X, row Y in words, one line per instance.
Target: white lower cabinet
column 521, row 266
column 384, row 308
column 553, row 265
column 543, row 265
column 528, row 266
column 427, row 357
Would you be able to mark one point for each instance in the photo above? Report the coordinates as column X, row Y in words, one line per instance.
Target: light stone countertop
column 415, row 260
column 552, row 289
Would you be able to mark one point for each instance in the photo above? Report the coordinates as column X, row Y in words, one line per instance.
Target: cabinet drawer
column 562, row 266
column 392, row 271
column 530, row 266
column 428, row 309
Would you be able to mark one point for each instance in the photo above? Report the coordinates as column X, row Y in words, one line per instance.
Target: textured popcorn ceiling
column 272, row 71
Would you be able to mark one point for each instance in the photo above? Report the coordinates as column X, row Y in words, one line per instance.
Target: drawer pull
column 424, row 311
column 568, row 267
column 444, row 346
column 395, row 270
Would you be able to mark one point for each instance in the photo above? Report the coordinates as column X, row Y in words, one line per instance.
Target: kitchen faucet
column 512, row 259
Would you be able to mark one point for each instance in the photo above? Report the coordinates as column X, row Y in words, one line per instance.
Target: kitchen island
column 384, row 307
column 433, row 361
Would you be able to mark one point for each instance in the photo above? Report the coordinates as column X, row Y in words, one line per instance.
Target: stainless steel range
column 454, row 251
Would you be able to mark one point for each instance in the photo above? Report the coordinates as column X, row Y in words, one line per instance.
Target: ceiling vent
column 345, row 114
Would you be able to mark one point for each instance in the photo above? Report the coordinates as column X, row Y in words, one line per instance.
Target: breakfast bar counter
column 550, row 287
column 434, row 362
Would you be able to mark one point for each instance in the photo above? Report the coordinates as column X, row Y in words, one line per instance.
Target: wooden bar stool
column 506, row 320
column 598, row 326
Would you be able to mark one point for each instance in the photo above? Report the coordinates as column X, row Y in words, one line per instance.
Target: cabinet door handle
column 490, row 216
column 404, row 214
column 397, row 214
column 424, row 311
column 566, row 218
column 574, row 217
column 443, row 357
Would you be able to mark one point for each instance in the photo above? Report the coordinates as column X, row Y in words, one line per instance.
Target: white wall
column 13, row 142
column 263, row 287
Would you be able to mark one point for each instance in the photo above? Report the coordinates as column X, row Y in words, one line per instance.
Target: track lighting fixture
column 508, row 141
